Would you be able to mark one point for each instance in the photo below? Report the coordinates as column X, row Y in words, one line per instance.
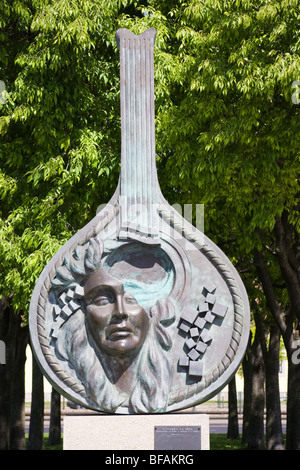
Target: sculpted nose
column 120, row 307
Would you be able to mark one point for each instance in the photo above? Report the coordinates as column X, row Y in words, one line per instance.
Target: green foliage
column 59, row 129
column 226, row 124
column 220, row 442
column 226, row 127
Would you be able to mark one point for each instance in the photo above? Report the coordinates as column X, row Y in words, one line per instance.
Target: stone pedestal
column 133, row 432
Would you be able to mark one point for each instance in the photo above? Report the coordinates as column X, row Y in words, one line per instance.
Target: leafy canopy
column 59, row 129
column 226, row 126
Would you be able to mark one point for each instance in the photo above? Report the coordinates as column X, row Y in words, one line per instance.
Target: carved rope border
column 190, row 234
column 51, row 359
column 189, row 390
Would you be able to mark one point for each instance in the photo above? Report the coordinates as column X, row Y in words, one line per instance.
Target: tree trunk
column 274, row 437
column 6, row 334
column 247, row 391
column 284, row 327
column 12, row 390
column 293, row 407
column 233, row 422
column 36, row 427
column 257, row 404
column 254, row 397
column 288, row 263
column 55, row 419
column 287, row 239
column 17, row 415
column 4, row 407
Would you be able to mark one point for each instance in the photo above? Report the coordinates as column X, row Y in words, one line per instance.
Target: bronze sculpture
column 139, row 312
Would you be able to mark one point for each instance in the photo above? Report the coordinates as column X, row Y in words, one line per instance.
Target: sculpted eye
column 103, row 298
column 129, row 299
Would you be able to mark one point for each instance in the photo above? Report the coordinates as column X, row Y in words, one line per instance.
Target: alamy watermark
column 180, row 222
column 296, row 94
column 2, row 92
column 296, row 354
column 2, row 352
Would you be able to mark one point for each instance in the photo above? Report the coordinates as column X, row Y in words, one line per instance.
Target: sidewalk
column 211, row 408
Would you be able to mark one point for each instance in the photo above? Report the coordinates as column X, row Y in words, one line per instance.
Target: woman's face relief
column 119, row 325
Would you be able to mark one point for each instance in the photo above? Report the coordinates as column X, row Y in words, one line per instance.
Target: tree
column 36, row 428
column 17, row 403
column 274, row 436
column 254, row 395
column 12, row 387
column 55, row 419
column 284, row 316
column 59, row 144
column 59, row 129
column 233, row 420
column 227, row 132
column 270, row 335
column 226, row 125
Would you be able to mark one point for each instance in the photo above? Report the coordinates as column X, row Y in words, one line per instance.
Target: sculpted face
column 119, row 325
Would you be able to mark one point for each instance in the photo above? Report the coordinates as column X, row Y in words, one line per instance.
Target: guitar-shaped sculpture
column 139, row 312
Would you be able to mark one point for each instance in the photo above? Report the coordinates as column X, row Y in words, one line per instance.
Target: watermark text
column 2, row 92
column 2, row 352
column 153, row 221
column 296, row 94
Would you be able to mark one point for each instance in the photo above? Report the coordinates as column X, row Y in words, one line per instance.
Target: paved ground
column 217, row 417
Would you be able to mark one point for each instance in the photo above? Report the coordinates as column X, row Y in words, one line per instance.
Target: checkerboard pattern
column 68, row 303
column 194, row 325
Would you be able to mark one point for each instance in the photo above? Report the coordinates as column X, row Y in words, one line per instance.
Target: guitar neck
column 138, row 179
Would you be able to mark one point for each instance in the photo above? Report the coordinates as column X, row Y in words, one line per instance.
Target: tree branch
column 269, row 292
column 289, row 274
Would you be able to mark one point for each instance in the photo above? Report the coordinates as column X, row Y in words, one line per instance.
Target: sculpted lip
column 119, row 332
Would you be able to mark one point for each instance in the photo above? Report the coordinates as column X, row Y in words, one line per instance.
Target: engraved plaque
column 177, row 438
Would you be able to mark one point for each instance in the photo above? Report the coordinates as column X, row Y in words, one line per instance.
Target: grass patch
column 56, row 447
column 46, row 445
column 220, row 442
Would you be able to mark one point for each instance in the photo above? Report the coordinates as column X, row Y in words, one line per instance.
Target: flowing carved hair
column 154, row 369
